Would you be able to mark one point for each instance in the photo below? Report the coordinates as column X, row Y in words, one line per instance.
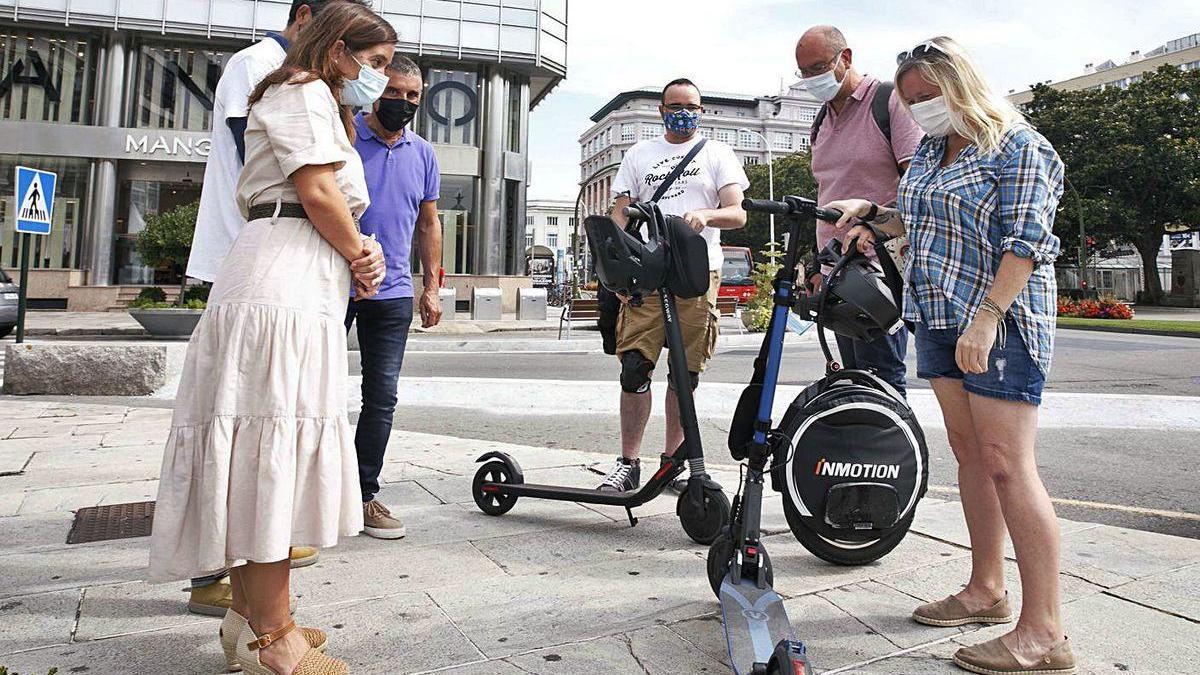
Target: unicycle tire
column 494, row 471
column 847, row 553
column 720, row 557
column 705, row 524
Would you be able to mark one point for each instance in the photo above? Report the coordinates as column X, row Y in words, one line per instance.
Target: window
column 725, row 136
column 705, row 132
column 782, row 141
column 571, row 222
column 807, row 115
column 552, row 221
column 528, row 221
column 54, row 81
column 751, row 160
column 804, row 141
column 528, row 239
column 649, row 131
column 451, row 107
column 552, row 239
column 174, row 86
column 628, row 131
column 747, row 139
column 741, row 113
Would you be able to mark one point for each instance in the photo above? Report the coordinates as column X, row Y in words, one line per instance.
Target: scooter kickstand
column 633, row 521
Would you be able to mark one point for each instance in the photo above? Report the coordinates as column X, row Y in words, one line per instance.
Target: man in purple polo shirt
column 403, row 183
column 862, row 140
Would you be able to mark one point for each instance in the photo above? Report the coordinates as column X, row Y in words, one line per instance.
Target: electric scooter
column 758, row 634
column 703, row 509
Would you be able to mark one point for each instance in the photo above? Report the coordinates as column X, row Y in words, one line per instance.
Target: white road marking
column 1104, row 506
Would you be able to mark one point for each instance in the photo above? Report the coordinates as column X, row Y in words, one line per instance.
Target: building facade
column 631, row 116
column 1183, row 52
column 549, row 231
column 116, row 97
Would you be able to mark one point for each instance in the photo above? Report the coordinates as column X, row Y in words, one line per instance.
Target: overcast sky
column 745, row 46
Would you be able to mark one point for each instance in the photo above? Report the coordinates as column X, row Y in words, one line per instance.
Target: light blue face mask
column 366, row 89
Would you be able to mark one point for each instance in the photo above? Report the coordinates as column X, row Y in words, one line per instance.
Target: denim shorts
column 1012, row 374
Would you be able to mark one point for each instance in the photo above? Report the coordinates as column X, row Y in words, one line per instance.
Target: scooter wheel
column 789, row 658
column 492, row 503
column 704, row 522
column 720, row 555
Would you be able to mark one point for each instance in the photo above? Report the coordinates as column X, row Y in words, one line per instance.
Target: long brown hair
column 312, row 54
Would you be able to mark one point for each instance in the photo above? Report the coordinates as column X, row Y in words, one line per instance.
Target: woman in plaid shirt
column 977, row 204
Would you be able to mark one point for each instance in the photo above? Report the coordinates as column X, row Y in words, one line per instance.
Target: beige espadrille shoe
column 314, row 661
column 234, row 623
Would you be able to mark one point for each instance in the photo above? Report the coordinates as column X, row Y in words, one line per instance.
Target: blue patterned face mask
column 682, row 122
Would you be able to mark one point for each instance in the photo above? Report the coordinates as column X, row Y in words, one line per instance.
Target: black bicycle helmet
column 624, row 263
column 855, row 300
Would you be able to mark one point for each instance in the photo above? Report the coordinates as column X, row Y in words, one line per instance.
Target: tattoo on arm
column 885, row 215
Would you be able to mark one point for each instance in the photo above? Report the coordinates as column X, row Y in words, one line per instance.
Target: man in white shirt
column 219, row 222
column 708, row 195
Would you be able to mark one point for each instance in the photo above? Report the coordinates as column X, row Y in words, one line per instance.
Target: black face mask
column 394, row 113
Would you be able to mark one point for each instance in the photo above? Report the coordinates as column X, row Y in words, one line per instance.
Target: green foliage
column 1132, row 156
column 793, row 176
column 196, row 293
column 152, row 294
column 149, row 304
column 5, row 671
column 760, row 306
column 167, row 238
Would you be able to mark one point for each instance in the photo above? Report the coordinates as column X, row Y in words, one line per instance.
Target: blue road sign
column 35, row 200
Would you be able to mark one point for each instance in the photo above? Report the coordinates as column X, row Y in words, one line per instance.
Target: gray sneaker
column 379, row 522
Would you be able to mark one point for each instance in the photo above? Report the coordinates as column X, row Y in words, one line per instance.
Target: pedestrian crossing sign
column 35, row 200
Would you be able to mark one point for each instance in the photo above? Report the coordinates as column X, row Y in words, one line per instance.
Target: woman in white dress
column 261, row 455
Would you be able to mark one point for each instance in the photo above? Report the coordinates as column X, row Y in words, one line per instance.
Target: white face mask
column 932, row 116
column 824, row 87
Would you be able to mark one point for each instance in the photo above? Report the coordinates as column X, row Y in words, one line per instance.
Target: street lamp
column 770, row 178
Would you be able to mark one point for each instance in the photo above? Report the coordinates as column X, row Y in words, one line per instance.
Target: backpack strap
column 678, row 171
column 816, row 126
column 881, row 111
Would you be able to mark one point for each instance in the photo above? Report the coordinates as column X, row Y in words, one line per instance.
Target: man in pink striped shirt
column 862, row 141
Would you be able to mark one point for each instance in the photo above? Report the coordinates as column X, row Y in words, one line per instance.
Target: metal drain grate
column 116, row 521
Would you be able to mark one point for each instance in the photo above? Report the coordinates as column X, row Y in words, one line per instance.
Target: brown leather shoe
column 951, row 612
column 994, row 658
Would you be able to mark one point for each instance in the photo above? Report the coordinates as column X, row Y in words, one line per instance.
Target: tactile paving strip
column 115, row 521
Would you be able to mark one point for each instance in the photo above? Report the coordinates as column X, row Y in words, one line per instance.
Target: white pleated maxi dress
column 261, row 454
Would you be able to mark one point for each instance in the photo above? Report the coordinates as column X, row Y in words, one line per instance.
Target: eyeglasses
column 924, row 49
column 676, row 107
column 805, row 73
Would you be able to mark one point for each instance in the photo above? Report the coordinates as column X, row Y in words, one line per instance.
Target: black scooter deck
column 755, row 621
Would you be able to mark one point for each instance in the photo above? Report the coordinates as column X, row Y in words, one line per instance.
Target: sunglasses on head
column 924, row 49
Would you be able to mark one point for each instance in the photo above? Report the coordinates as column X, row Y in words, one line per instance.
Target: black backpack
column 879, row 111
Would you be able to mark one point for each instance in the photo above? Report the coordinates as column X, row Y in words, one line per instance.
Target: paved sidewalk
column 548, row 588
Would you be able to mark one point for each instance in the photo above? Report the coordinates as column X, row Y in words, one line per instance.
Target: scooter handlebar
column 785, row 208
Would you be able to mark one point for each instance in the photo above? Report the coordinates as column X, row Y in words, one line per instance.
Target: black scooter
column 758, row 634
column 703, row 509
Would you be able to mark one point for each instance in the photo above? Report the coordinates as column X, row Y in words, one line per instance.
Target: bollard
column 531, row 304
column 448, row 297
column 485, row 304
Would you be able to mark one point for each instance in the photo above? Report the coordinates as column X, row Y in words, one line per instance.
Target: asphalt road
column 1125, row 473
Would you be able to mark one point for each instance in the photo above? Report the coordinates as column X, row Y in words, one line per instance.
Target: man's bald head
column 826, row 39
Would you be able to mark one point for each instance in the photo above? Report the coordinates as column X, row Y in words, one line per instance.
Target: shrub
column 167, row 239
column 152, row 294
column 196, row 293
column 760, row 306
column 1106, row 307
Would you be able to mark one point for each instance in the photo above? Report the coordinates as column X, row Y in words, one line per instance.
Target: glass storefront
column 60, row 248
column 139, row 200
column 174, row 86
column 46, row 77
column 456, row 207
column 451, row 107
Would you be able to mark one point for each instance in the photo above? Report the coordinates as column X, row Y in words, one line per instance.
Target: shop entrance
column 144, row 195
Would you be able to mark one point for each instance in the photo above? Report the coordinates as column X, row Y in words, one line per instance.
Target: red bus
column 736, row 281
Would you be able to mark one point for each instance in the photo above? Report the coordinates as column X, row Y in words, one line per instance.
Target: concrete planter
column 167, row 322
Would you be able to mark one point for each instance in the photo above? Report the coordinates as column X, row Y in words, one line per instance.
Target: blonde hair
column 976, row 112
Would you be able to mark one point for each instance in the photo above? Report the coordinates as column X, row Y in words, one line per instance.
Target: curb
column 1133, row 331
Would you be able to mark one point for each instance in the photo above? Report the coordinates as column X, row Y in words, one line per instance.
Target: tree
column 167, row 240
column 1133, row 158
column 793, row 176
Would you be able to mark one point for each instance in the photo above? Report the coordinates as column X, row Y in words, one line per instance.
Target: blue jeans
column 1012, row 374
column 382, row 335
column 883, row 356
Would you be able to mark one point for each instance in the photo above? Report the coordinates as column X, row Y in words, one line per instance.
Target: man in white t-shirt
column 219, row 222
column 708, row 195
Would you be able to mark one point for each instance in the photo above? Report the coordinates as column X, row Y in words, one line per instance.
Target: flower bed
column 1107, row 307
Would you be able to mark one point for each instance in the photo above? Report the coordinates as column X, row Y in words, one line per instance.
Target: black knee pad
column 635, row 372
column 693, row 377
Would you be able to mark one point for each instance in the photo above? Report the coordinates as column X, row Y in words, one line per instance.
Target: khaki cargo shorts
column 642, row 329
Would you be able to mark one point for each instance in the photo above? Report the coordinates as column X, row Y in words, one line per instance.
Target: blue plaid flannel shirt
column 961, row 219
